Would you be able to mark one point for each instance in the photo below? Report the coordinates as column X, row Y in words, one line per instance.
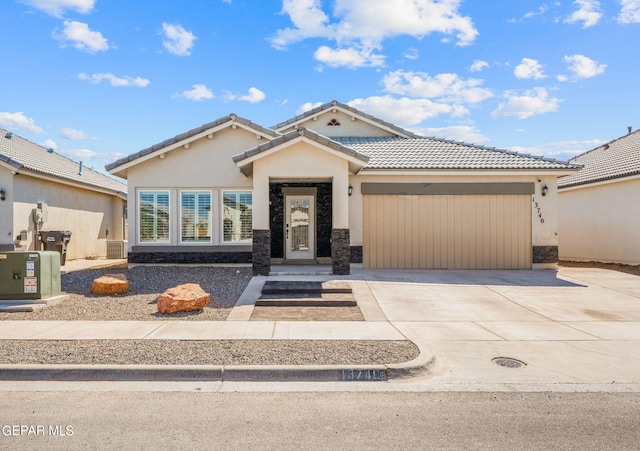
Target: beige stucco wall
column 207, row 164
column 305, row 161
column 347, row 127
column 87, row 214
column 542, row 233
column 601, row 223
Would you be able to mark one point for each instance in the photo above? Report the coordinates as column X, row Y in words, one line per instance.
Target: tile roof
column 25, row 155
column 615, row 159
column 186, row 135
column 434, row 153
column 335, row 103
column 333, row 144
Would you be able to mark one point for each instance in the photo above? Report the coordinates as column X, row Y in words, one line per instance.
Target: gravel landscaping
column 224, row 284
column 206, row 352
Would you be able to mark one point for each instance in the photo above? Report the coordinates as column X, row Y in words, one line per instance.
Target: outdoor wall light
column 545, row 190
column 2, row 194
column 350, row 190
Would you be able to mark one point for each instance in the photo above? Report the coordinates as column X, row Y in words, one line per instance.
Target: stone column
column 340, row 251
column 261, row 252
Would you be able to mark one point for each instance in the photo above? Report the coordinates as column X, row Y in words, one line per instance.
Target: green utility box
column 29, row 275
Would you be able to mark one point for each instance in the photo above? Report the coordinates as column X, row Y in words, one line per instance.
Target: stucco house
column 599, row 208
column 41, row 190
column 337, row 185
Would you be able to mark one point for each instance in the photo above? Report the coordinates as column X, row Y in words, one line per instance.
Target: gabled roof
column 434, row 153
column 616, row 159
column 194, row 133
column 23, row 156
column 334, row 104
column 357, row 159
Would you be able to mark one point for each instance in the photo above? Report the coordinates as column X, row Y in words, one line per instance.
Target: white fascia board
column 463, row 172
column 600, row 183
column 169, row 148
column 63, row 181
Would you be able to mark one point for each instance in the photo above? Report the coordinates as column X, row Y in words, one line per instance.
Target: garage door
column 447, row 231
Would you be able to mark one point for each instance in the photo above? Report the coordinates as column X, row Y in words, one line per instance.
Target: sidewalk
column 576, row 327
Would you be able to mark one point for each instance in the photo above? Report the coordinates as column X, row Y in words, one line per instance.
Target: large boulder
column 183, row 298
column 110, row 284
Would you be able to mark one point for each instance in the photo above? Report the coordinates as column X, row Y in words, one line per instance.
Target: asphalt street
column 74, row 420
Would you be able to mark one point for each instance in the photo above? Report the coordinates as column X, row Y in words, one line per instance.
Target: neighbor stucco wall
column 6, row 210
column 87, row 214
column 601, row 222
column 544, row 227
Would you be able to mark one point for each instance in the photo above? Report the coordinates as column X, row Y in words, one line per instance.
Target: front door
column 300, row 219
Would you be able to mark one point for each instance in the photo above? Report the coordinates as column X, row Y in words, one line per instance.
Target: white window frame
column 155, row 192
column 196, row 192
column 236, row 192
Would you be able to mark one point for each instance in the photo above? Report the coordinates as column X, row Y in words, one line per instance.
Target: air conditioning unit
column 116, row 249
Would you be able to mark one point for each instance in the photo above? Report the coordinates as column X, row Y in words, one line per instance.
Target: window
column 154, row 216
column 195, row 207
column 237, row 216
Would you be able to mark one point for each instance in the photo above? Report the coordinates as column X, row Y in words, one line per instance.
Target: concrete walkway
column 577, row 326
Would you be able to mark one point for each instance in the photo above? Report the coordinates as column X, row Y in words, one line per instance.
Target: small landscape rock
column 110, row 284
column 183, row 298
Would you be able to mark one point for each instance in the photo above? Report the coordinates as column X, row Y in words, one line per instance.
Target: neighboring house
column 42, row 190
column 600, row 207
column 336, row 185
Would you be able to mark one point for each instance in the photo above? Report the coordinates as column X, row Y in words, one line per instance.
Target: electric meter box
column 29, row 275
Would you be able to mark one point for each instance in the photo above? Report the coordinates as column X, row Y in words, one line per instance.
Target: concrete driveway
column 574, row 326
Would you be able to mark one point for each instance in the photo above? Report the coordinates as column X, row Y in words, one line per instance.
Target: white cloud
column 57, row 7
column 49, row 144
column 348, row 57
column 404, row 111
column 583, row 66
column 254, row 96
column 307, row 107
column 630, row 12
column 560, row 150
column 465, row 133
column 82, row 37
column 76, row 135
column 478, row 65
column 137, row 82
column 529, row 68
column 360, row 26
column 411, row 54
column 445, row 87
column 588, row 13
column 178, row 41
column 12, row 121
column 80, row 154
column 197, row 93
column 541, row 10
column 531, row 102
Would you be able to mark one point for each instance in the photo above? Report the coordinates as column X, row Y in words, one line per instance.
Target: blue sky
column 97, row 79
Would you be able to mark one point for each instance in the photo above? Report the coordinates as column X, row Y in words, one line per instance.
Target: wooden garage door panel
column 447, row 231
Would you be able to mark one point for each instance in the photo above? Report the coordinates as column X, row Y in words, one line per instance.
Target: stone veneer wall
column 324, row 219
column 189, row 257
column 261, row 252
column 340, row 251
column 356, row 254
column 545, row 254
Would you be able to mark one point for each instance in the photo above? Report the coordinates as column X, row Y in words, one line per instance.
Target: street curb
column 421, row 365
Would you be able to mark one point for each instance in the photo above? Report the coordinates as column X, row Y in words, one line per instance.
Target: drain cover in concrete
column 508, row 362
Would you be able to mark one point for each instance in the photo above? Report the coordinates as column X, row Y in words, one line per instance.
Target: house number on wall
column 537, row 207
